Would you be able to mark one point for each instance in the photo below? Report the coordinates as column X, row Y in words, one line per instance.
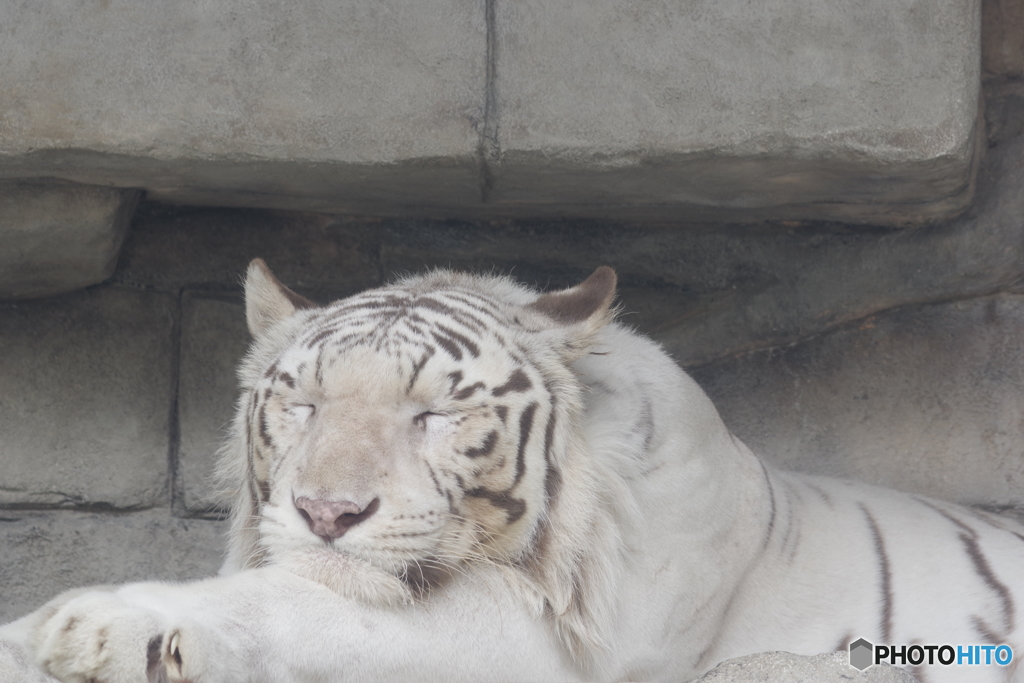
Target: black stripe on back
column 771, row 515
column 885, row 571
column 984, row 570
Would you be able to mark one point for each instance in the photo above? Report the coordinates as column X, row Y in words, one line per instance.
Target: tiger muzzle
column 331, row 519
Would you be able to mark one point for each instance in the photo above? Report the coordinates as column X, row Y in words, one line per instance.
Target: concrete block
column 56, row 237
column 926, row 400
column 785, row 667
column 326, row 104
column 1003, row 31
column 213, row 340
column 85, row 399
column 786, row 108
column 46, row 553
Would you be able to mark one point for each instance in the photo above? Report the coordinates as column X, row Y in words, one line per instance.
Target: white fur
column 683, row 549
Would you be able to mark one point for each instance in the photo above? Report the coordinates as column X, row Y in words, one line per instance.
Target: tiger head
column 386, row 438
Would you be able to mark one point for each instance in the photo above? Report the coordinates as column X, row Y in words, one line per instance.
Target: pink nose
column 330, row 519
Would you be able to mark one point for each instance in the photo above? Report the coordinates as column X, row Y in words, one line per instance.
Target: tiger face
column 405, row 430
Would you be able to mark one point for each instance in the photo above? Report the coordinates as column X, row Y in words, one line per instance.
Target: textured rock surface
column 784, row 667
column 213, row 341
column 258, row 104
column 49, row 552
column 176, row 248
column 57, row 237
column 85, row 397
column 1003, row 49
column 787, row 108
column 925, row 399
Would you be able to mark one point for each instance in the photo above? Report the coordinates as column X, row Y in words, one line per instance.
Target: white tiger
column 456, row 478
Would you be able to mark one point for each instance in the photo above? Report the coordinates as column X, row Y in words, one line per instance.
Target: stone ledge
column 786, row 109
column 785, row 667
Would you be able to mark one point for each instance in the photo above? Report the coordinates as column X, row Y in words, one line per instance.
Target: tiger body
column 456, row 476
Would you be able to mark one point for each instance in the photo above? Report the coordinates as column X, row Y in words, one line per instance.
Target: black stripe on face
column 466, row 392
column 264, row 488
column 552, row 483
column 263, row 426
column 464, row 341
column 448, row 345
column 514, row 507
column 501, row 412
column 485, row 449
column 886, row 574
column 287, row 379
column 525, row 425
column 984, row 570
column 418, row 365
column 549, row 433
column 479, row 305
column 517, row 382
column 463, row 317
column 437, row 485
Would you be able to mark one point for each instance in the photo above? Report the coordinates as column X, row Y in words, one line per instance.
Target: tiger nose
column 330, row 519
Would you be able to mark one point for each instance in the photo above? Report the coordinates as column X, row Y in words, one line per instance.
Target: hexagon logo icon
column 861, row 652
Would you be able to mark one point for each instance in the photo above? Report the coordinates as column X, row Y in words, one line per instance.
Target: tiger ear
column 584, row 309
column 267, row 301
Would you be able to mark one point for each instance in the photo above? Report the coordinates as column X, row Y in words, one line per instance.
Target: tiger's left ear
column 583, row 310
column 267, row 301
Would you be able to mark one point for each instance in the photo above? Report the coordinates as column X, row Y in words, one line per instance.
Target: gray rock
column 923, row 399
column 1002, row 50
column 329, row 104
column 784, row 667
column 85, row 399
column 213, row 340
column 46, row 553
column 785, row 109
column 56, row 237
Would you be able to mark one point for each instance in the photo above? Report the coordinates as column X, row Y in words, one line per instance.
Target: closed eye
column 301, row 412
column 421, row 419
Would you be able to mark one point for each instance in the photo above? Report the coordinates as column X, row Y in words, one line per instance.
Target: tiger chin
column 392, row 439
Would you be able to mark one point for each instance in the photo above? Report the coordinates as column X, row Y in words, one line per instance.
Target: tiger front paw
column 97, row 636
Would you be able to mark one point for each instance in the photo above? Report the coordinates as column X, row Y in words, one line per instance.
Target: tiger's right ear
column 581, row 311
column 267, row 301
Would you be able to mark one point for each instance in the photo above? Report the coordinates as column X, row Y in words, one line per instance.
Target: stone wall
column 886, row 354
